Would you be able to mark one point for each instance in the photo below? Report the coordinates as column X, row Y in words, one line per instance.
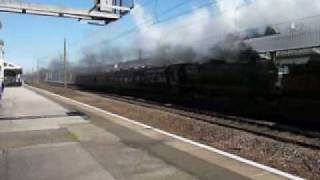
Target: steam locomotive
column 215, row 78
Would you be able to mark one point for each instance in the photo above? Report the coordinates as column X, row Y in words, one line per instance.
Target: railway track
column 301, row 137
column 304, row 138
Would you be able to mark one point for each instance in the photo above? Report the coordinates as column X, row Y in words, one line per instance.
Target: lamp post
column 1, row 65
column 65, row 63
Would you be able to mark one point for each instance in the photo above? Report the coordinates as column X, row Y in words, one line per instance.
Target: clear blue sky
column 30, row 38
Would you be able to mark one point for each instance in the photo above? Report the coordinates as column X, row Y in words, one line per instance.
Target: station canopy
column 286, row 41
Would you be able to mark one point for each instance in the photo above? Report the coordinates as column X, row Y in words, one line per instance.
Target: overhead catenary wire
column 190, row 24
column 155, row 2
column 152, row 23
column 135, row 28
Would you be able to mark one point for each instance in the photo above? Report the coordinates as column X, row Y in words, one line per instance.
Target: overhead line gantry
column 102, row 12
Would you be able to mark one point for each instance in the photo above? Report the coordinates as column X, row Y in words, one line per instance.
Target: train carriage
column 209, row 79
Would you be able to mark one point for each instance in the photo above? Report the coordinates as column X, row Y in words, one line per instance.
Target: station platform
column 43, row 136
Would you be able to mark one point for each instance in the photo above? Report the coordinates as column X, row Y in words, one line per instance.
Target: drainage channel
column 67, row 114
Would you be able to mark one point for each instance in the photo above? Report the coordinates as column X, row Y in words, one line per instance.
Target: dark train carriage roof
column 155, row 69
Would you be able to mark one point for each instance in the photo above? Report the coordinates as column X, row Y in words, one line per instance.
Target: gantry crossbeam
column 106, row 14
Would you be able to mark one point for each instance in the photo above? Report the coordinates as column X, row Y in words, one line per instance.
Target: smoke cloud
column 204, row 28
column 206, row 33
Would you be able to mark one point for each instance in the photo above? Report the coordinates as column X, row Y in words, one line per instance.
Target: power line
column 135, row 28
column 132, row 30
column 274, row 24
column 152, row 22
column 176, row 6
column 155, row 10
column 147, row 3
column 262, row 26
column 96, row 33
column 183, row 13
column 163, row 12
column 149, row 21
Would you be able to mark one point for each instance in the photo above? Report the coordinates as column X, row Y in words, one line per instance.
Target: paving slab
column 27, row 138
column 104, row 147
column 127, row 154
column 122, row 160
column 89, row 132
column 45, row 148
column 18, row 101
column 38, row 124
column 126, row 163
column 65, row 161
column 179, row 153
column 2, row 165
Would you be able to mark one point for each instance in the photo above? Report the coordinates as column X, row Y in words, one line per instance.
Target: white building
column 12, row 74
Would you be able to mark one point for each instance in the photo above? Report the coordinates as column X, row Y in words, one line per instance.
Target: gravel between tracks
column 287, row 157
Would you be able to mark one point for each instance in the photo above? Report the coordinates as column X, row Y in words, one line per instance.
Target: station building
column 12, row 74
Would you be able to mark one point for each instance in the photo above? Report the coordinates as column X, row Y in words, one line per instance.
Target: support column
column 279, row 73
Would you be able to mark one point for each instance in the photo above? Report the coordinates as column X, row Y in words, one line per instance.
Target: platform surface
column 40, row 140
